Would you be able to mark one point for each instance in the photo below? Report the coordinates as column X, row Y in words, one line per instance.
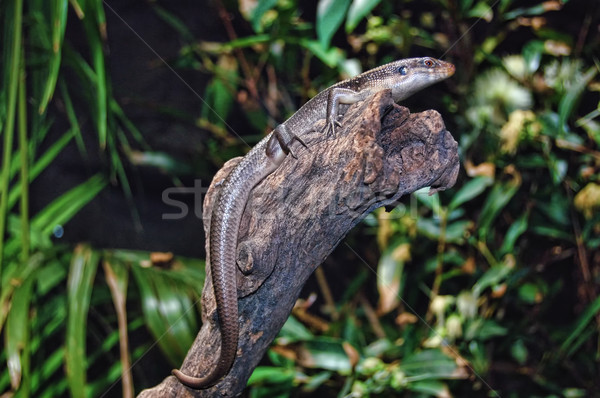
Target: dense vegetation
column 489, row 289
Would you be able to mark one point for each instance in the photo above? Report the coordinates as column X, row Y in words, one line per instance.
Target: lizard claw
column 329, row 128
column 289, row 149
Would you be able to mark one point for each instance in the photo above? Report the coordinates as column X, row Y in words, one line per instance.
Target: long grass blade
column 24, row 154
column 81, row 280
column 72, row 116
column 17, row 337
column 40, row 165
column 63, row 208
column 13, row 80
column 58, row 25
column 117, row 277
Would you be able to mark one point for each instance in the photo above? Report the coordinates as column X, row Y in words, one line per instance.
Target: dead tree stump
column 296, row 217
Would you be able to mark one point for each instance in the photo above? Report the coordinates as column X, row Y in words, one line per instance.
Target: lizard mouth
column 448, row 68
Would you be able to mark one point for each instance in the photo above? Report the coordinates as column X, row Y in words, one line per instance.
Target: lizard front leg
column 339, row 96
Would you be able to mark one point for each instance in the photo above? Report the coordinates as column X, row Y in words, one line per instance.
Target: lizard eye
column 429, row 63
column 402, row 70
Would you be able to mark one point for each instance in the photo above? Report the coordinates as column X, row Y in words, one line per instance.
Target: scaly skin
column 403, row 77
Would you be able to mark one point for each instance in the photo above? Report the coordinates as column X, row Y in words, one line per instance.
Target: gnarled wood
column 298, row 215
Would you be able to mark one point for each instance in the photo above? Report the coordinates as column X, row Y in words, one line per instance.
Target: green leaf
column 330, row 15
column 470, row 190
column 68, row 204
column 582, row 322
column 58, row 25
column 293, row 330
column 218, row 102
column 94, row 16
column 40, row 165
column 571, row 98
column 481, row 10
column 390, row 276
column 80, row 284
column 519, row 351
column 457, row 231
column 532, row 55
column 500, row 195
column 430, row 387
column 326, row 353
column 330, row 56
column 515, row 230
column 260, row 10
column 537, row 9
column 529, row 293
column 491, row 278
column 428, row 364
column 168, row 310
column 357, row 11
column 17, row 335
column 484, row 329
column 271, row 375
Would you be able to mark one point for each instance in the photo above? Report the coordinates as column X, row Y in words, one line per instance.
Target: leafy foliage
column 490, row 289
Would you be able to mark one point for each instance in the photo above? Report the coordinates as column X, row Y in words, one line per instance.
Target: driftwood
column 298, row 215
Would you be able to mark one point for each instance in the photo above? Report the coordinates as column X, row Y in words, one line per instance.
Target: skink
column 403, row 77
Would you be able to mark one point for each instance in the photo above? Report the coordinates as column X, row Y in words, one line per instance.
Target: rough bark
column 298, row 215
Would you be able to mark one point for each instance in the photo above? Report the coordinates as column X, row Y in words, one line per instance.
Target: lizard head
column 407, row 76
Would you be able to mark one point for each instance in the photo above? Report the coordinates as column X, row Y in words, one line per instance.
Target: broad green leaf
column 457, row 231
column 17, row 336
column 492, row 277
column 357, row 11
column 14, row 271
column 484, row 329
column 500, row 195
column 390, row 277
column 331, row 56
column 168, row 311
column 428, row 364
column 430, row 201
column 465, row 5
column 554, row 232
column 568, row 102
column 537, row 9
column 519, row 351
column 470, row 190
column 481, row 10
column 532, row 55
column 515, row 230
column 80, row 284
column 269, row 374
column 325, row 353
column 558, row 169
column 330, row 15
column 293, row 330
column 218, row 102
column 262, row 7
column 529, row 293
column 430, row 388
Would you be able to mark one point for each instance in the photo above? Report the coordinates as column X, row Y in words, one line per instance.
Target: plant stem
column 13, row 82
column 24, row 153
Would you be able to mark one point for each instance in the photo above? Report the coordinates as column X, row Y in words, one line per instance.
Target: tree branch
column 296, row 217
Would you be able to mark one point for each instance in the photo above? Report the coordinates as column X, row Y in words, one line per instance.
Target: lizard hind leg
column 285, row 138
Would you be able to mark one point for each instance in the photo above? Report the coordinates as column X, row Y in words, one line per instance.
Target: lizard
column 403, row 77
